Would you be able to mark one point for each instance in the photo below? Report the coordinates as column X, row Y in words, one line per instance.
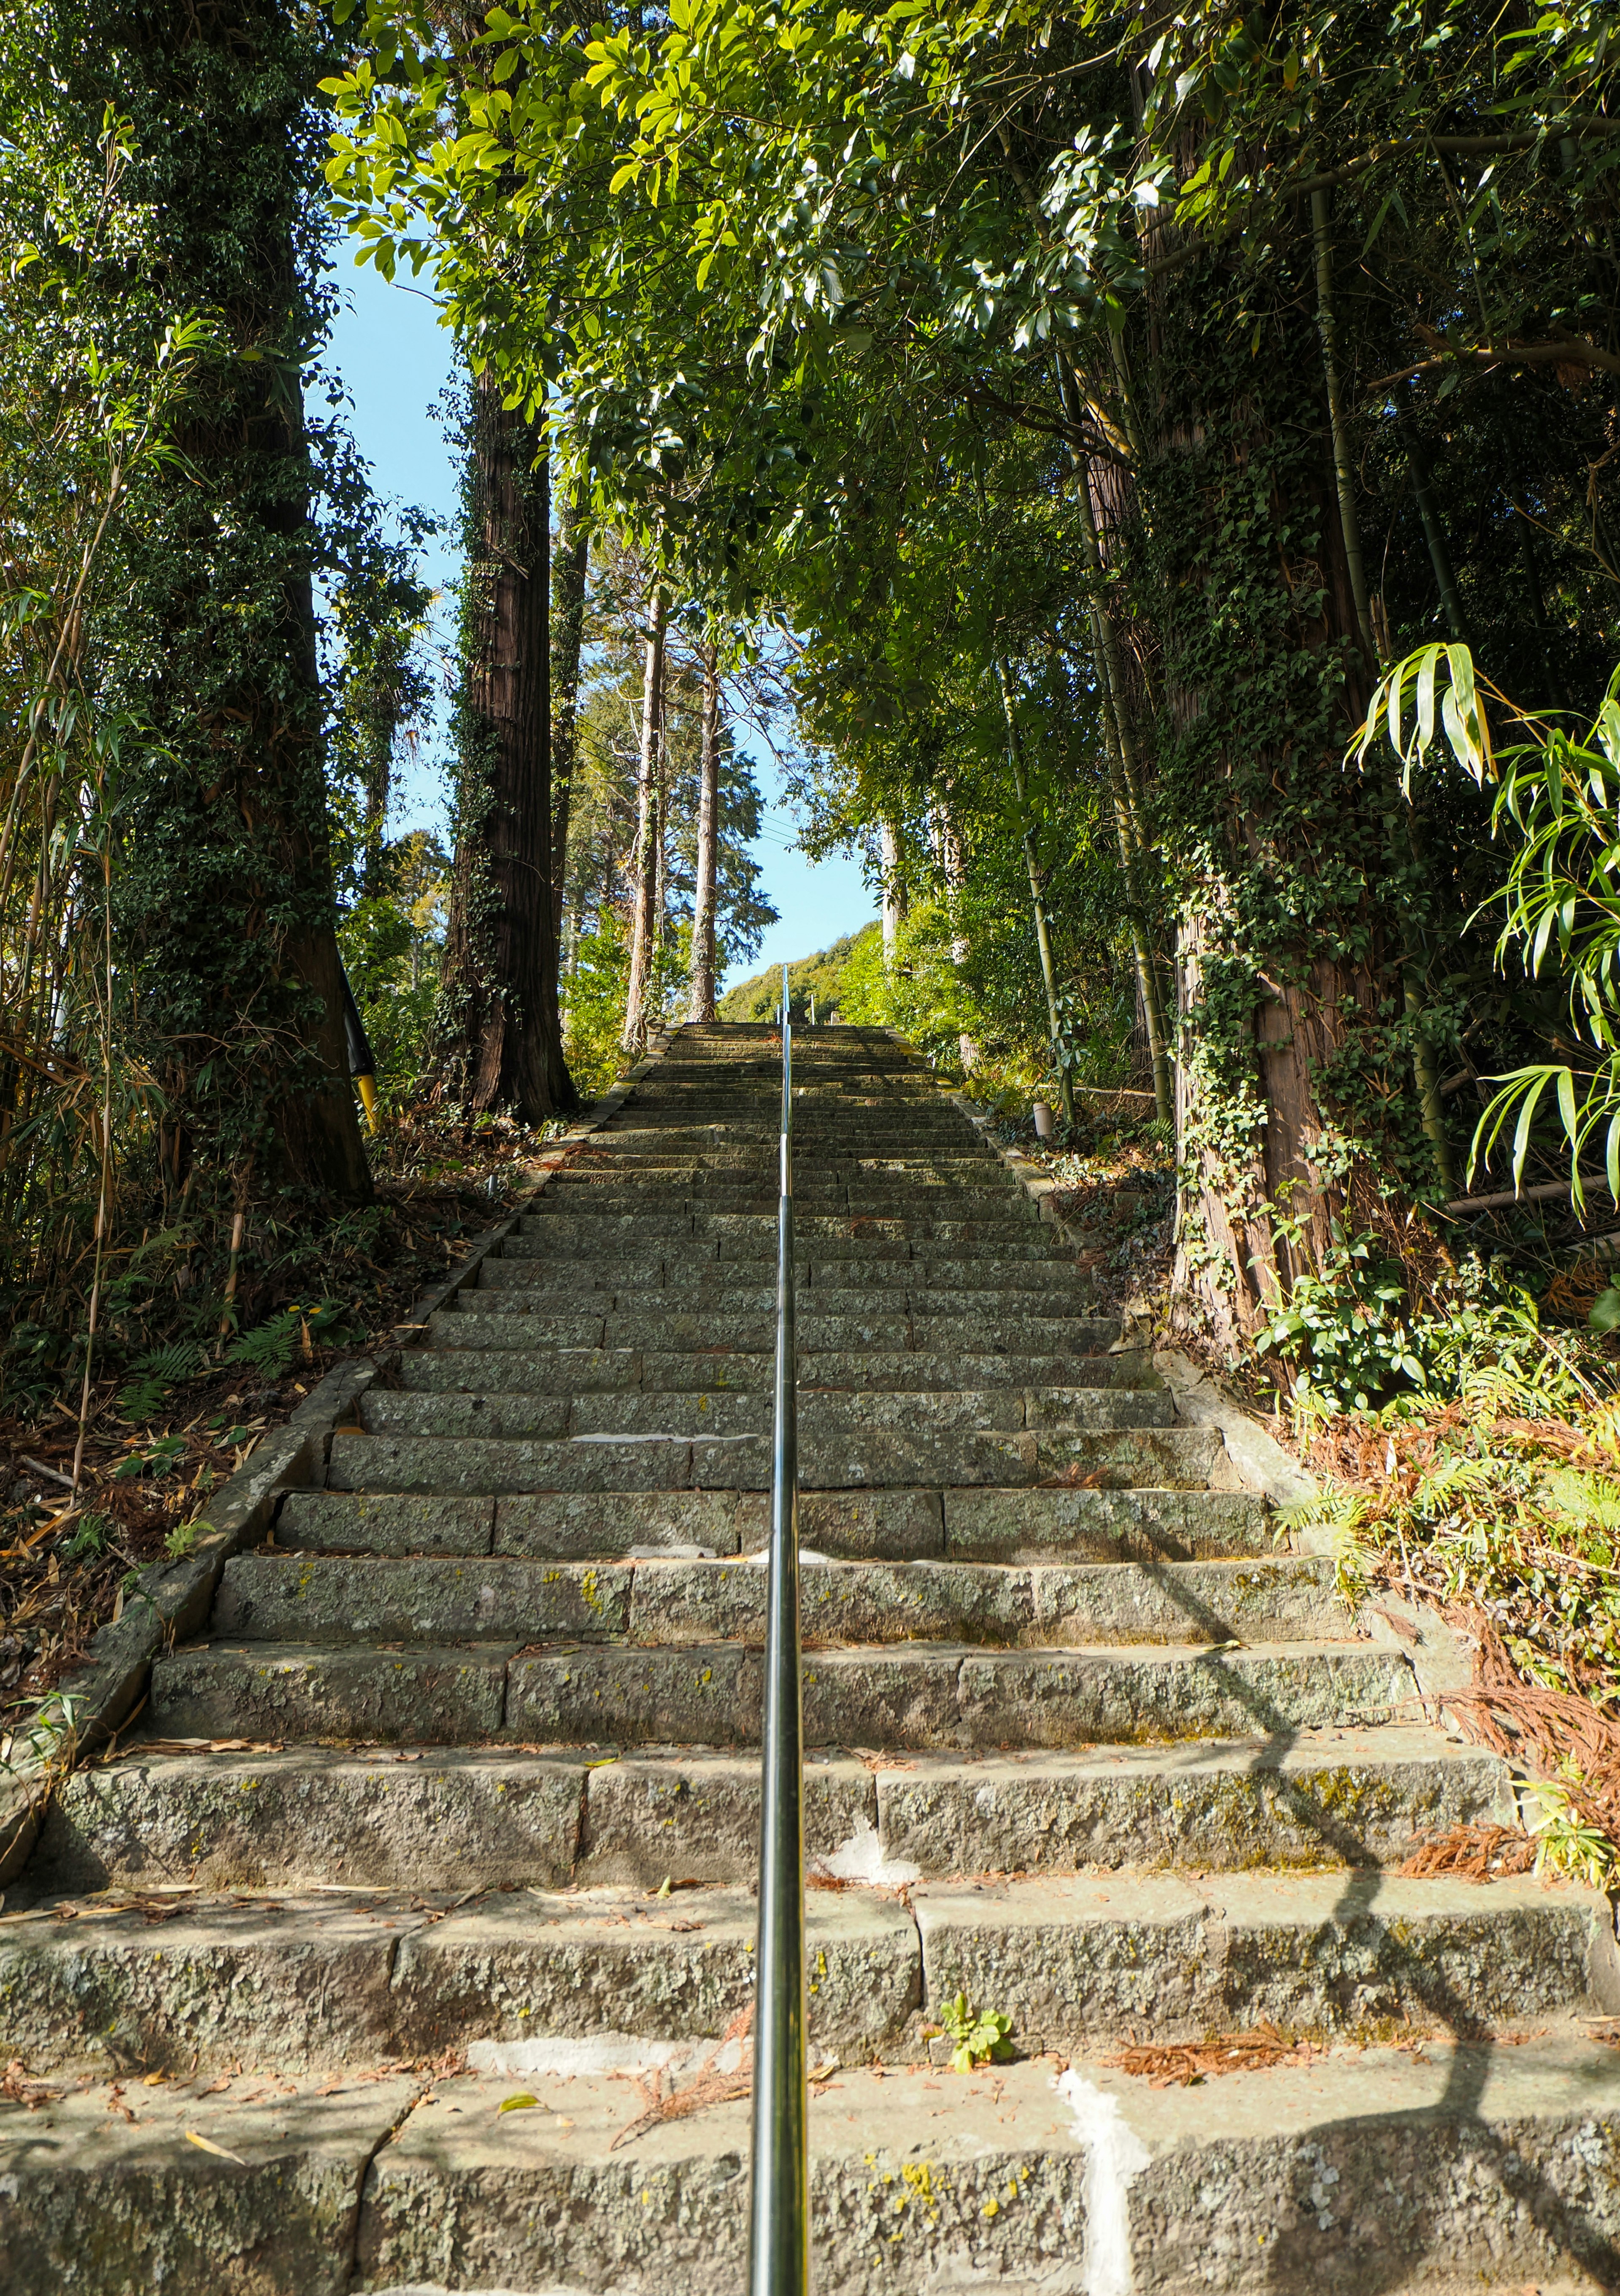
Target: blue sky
column 395, row 359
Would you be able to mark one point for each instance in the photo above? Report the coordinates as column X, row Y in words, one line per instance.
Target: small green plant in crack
column 980, row 2035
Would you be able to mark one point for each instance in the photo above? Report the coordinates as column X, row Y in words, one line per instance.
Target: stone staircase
column 389, row 1958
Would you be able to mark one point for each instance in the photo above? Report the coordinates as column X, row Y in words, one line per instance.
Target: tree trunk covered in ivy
column 570, row 565
column 497, row 1034
column 1295, row 1107
column 223, row 895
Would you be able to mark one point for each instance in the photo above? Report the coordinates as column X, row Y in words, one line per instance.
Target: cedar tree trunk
column 498, row 1035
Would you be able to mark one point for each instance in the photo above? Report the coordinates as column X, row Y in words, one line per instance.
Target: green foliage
column 1557, row 800
column 1352, row 1339
column 979, row 2036
column 594, row 1011
column 820, row 977
column 271, row 1348
column 153, row 1375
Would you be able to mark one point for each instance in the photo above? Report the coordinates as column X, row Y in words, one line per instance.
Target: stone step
column 492, row 1408
column 817, row 1197
column 1456, row 2165
column 669, row 1602
column 751, row 1236
column 575, row 1372
column 924, row 1697
column 479, row 1466
column 313, row 1983
column 527, row 1320
column 1128, row 1526
column 837, row 1287
column 446, row 1817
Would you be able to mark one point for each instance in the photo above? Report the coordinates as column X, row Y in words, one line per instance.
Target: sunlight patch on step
column 1115, row 2156
column 861, row 1859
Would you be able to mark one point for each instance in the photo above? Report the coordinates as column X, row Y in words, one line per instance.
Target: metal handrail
column 779, row 2225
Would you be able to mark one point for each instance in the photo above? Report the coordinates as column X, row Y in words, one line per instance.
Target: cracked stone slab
column 423, row 1696
column 679, row 1968
column 1359, row 1953
column 301, row 1984
column 432, row 1818
column 105, row 2195
column 652, row 1818
column 909, row 2191
column 326, row 1598
column 1312, row 1799
column 1439, row 2170
column 1148, row 1524
column 385, row 1523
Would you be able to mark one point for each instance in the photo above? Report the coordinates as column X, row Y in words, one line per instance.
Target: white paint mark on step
column 566, row 2057
column 861, row 1859
column 1115, row 2156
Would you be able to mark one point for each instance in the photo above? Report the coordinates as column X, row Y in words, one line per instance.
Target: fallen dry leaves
column 708, row 2085
column 1169, row 2065
column 1471, row 1853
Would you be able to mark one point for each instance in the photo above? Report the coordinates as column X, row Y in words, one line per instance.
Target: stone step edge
column 393, row 2177
column 887, row 1965
column 500, row 1815
column 171, row 1601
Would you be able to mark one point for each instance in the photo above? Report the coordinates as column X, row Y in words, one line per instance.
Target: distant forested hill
column 818, row 976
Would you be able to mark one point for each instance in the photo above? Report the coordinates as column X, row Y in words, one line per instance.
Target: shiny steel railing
column 779, row 2226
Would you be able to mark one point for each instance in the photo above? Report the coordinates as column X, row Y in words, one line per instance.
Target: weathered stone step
column 446, row 1817
column 750, row 1236
column 532, row 1320
column 1150, row 1525
column 930, row 1697
column 817, row 1203
column 318, row 1982
column 1324, row 1798
column 848, row 1461
column 576, row 1372
column 316, row 1598
column 837, row 1287
column 1498, row 2165
column 492, row 1408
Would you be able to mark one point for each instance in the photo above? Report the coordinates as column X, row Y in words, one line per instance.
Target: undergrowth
column 189, row 1375
column 1489, row 1485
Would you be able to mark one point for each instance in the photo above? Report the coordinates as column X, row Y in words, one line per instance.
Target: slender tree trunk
column 708, row 826
column 569, row 569
column 1037, row 893
column 953, row 869
column 498, row 1036
column 895, row 899
column 644, row 861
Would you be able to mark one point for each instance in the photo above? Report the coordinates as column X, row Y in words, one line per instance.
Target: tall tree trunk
column 895, row 899
column 702, row 1007
column 1037, row 891
column 1292, row 1094
column 225, row 908
column 645, row 862
column 497, row 1036
column 568, row 569
column 953, row 869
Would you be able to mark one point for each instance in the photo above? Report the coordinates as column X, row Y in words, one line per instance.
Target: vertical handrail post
column 779, row 2227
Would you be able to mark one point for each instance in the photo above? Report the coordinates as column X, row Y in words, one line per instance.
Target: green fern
column 271, row 1348
column 155, row 1373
